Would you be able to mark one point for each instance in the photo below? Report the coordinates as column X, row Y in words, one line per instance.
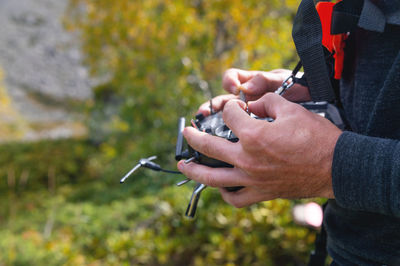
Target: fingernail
column 240, row 103
column 243, row 105
column 180, row 165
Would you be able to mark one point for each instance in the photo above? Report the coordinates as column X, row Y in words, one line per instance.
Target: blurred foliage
column 163, row 58
column 103, row 224
column 33, row 165
column 56, row 208
column 60, row 201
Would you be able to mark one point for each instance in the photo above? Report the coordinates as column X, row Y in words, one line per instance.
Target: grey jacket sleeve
column 366, row 174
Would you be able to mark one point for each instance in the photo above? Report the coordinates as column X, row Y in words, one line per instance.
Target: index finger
column 237, row 119
column 217, row 104
column 211, row 146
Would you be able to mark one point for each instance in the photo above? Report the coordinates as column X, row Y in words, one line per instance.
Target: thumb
column 236, row 118
column 261, row 83
column 257, row 85
column 271, row 105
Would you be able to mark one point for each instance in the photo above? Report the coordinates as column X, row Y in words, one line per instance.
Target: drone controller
column 215, row 125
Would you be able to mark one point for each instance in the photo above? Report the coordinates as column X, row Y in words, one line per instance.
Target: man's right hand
column 254, row 85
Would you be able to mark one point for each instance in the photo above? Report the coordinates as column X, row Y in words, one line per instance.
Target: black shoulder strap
column 307, row 36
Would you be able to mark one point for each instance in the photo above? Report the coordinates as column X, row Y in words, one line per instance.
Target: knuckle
column 229, row 73
column 258, row 129
column 260, row 77
column 219, row 98
column 291, row 107
column 270, row 96
column 205, row 146
column 204, row 107
column 209, row 150
column 229, row 104
column 227, row 110
column 244, row 164
column 210, row 180
column 248, row 136
column 258, row 141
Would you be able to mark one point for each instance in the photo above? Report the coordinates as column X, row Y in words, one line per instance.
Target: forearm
column 366, row 173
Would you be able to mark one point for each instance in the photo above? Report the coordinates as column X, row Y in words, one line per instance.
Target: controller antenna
column 179, row 154
column 147, row 162
column 194, row 200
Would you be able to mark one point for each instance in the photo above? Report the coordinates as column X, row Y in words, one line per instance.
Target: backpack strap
column 307, row 36
column 347, row 15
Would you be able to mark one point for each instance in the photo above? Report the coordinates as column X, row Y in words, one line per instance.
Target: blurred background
column 88, row 87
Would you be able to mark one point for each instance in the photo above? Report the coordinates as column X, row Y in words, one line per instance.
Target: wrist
column 327, row 187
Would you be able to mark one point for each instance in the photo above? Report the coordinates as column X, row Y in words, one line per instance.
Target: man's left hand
column 290, row 157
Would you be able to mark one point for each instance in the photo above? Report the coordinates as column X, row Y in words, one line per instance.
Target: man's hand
column 254, row 84
column 290, row 157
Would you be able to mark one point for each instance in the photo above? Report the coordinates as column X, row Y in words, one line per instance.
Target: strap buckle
column 286, row 84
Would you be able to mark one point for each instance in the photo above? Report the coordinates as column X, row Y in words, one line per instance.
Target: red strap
column 334, row 43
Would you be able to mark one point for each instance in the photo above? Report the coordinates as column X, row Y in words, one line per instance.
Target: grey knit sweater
column 363, row 223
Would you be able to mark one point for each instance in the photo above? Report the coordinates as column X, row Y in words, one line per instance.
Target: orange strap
column 334, row 43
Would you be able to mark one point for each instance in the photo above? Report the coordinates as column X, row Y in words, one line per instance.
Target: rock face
column 42, row 66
